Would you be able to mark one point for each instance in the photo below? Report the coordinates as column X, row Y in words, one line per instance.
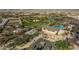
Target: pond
column 57, row 27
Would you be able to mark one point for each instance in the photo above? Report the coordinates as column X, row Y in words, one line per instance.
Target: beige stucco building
column 55, row 34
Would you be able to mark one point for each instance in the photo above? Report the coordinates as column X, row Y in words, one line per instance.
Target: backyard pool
column 57, row 27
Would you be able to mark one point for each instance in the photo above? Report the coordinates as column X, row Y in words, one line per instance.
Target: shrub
column 22, row 40
column 61, row 45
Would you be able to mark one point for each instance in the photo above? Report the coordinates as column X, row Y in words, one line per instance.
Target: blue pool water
column 57, row 27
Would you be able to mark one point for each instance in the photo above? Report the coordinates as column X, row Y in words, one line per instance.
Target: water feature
column 57, row 27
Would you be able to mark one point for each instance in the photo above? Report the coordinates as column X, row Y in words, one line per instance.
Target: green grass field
column 43, row 21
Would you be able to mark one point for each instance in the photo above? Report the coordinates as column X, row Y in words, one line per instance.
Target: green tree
column 61, row 45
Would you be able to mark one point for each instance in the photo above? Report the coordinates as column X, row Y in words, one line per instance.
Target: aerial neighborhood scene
column 39, row 29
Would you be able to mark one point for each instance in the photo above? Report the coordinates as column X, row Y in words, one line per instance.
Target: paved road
column 29, row 43
column 4, row 22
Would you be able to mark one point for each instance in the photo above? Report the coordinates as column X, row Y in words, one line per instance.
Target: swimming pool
column 57, row 27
